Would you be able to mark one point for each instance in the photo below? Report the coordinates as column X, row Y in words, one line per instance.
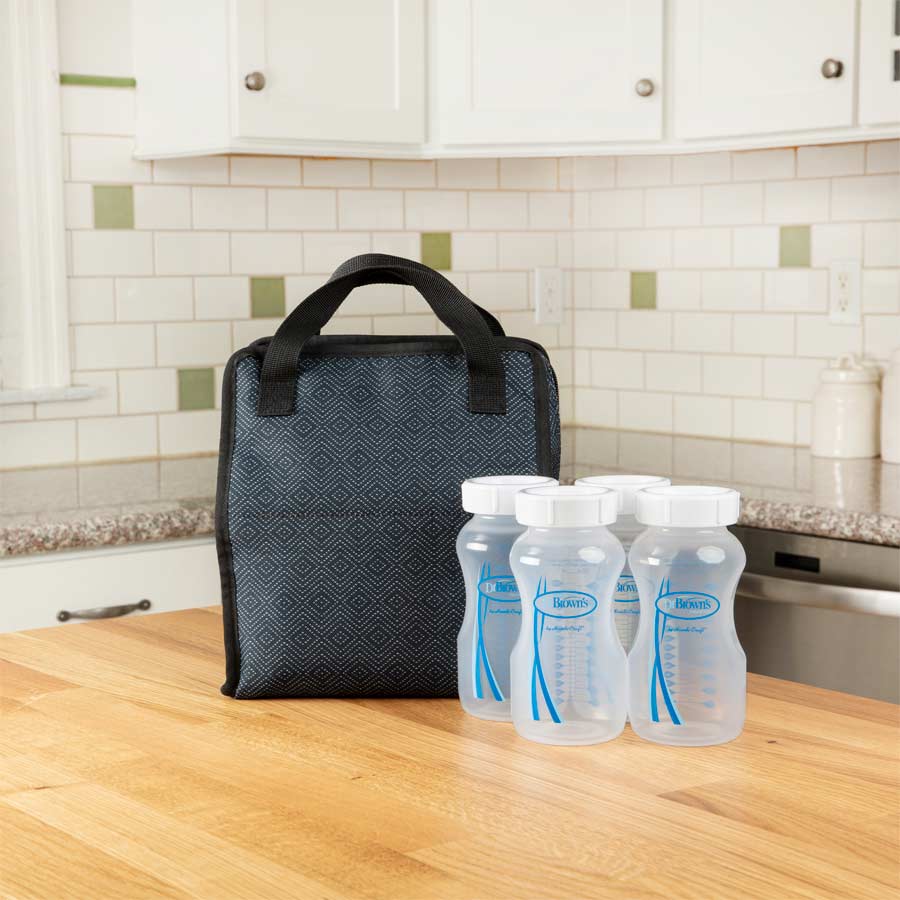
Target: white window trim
column 34, row 315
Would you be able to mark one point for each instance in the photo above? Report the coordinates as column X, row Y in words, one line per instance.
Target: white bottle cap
column 626, row 486
column 495, row 495
column 572, row 506
column 688, row 506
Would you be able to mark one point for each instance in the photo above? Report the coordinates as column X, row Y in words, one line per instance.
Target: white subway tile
column 615, row 369
column 222, row 297
column 549, row 209
column 644, row 329
column 78, row 203
column 594, row 249
column 114, row 346
column 769, row 421
column 582, row 364
column 398, row 243
column 325, row 252
column 193, row 343
column 701, row 332
column 16, row 412
column 795, row 290
column 499, row 291
column 732, row 204
column 91, row 300
column 105, row 403
column 881, row 290
column 769, row 334
column 336, row 172
column 797, row 201
column 154, row 299
column 701, row 168
column 116, row 437
column 191, row 253
column 307, row 209
column 112, row 253
column 647, row 250
column 591, row 172
column 817, row 336
column 756, row 247
column 276, row 171
column 561, row 360
column 610, row 290
column 191, row 170
column 678, row 290
column 229, row 208
column 425, row 323
column 831, row 242
column 498, row 210
column 594, row 328
column 467, row 173
column 883, row 156
column 369, row 300
column 833, row 159
column 643, row 171
column 528, row 174
column 791, row 379
column 158, row 207
column 435, row 210
column 642, row 411
column 761, row 165
column 522, row 324
column 183, row 433
column 474, row 252
column 881, row 245
column 96, row 110
column 733, row 376
column 272, row 253
column 105, row 160
column 882, row 335
column 596, row 408
column 702, row 248
column 246, row 331
column 703, row 416
column 525, row 251
column 868, row 197
column 674, row 372
column 403, row 173
column 25, row 444
column 732, row 290
column 148, row 391
column 617, row 209
column 672, row 206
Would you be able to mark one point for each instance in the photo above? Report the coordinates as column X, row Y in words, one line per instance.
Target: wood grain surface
column 127, row 774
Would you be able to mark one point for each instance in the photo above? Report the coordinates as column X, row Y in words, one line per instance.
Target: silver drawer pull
column 102, row 612
column 871, row 601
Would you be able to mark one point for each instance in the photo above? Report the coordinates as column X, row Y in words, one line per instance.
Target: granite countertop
column 783, row 488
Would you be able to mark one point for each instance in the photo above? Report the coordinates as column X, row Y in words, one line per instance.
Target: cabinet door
column 341, row 70
column 529, row 71
column 756, row 67
column 879, row 62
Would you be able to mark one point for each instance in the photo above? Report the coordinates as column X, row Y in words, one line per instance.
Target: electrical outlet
column 548, row 296
column 844, row 299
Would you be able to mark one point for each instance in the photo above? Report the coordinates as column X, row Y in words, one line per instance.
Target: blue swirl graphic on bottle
column 492, row 588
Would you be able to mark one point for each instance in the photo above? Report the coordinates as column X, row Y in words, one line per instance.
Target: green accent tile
column 97, row 81
column 113, row 206
column 794, row 246
column 196, row 389
column 436, row 250
column 266, row 298
column 643, row 290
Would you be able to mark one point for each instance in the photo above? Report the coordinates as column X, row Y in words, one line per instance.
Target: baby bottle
column 568, row 673
column 626, row 608
column 687, row 671
column 491, row 623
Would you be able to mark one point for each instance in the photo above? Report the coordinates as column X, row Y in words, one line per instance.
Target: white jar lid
column 570, row 506
column 495, row 495
column 688, row 506
column 626, row 486
column 850, row 369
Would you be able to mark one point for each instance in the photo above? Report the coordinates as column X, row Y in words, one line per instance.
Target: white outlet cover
column 844, row 301
column 548, row 296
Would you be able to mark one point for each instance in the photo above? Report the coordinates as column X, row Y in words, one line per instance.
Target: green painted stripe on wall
column 436, row 250
column 643, row 290
column 97, row 81
column 267, row 298
column 113, row 206
column 196, row 389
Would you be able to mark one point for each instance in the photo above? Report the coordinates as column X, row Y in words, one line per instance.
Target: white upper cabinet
column 879, row 62
column 756, row 66
column 532, row 72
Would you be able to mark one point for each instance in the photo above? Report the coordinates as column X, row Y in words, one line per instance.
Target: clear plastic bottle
column 626, row 607
column 687, row 671
column 493, row 611
column 568, row 672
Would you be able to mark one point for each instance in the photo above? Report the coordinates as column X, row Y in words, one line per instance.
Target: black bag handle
column 487, row 379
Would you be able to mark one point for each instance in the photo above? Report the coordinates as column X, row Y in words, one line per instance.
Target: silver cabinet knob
column 644, row 88
column 255, row 81
column 832, row 68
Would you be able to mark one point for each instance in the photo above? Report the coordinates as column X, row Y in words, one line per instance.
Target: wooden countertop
column 127, row 774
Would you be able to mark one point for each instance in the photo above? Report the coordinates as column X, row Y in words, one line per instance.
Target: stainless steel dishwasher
column 821, row 611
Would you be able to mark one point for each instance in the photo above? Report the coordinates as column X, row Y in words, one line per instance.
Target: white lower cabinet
column 172, row 575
